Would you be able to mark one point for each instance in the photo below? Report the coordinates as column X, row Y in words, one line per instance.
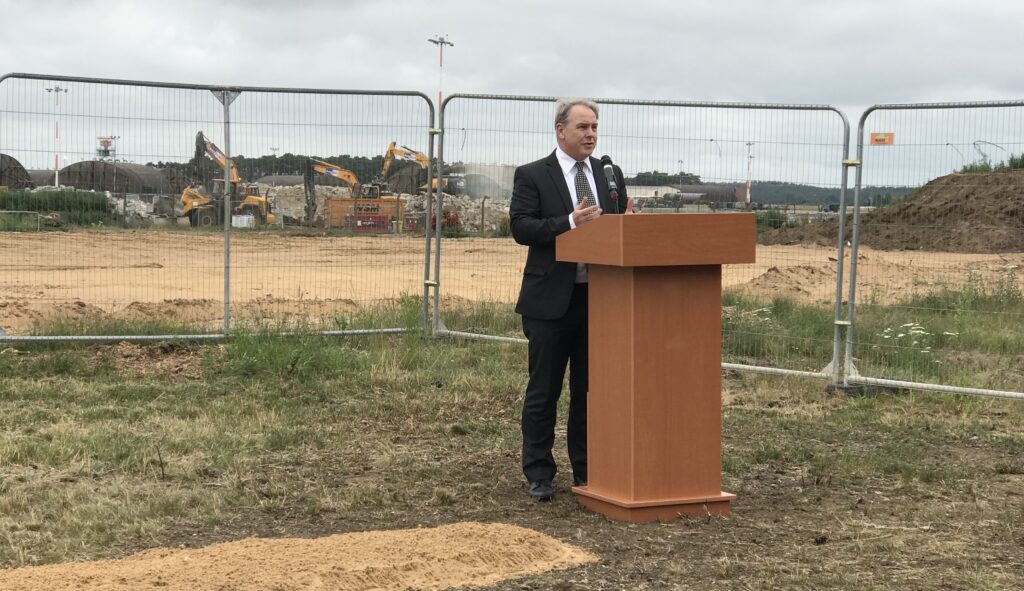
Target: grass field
column 106, row 450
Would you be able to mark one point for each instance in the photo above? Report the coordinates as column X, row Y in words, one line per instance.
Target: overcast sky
column 849, row 54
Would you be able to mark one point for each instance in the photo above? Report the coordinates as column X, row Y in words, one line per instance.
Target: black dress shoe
column 541, row 490
column 579, row 481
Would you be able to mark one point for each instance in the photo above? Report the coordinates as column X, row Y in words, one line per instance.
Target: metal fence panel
column 128, row 260
column 936, row 299
column 689, row 157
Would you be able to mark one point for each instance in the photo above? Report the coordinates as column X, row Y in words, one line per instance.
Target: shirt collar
column 567, row 162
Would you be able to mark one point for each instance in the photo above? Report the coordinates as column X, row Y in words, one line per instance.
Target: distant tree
column 658, row 179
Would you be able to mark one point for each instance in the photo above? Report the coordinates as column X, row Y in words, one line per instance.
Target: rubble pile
column 290, row 201
column 474, row 215
column 471, row 211
column 136, row 212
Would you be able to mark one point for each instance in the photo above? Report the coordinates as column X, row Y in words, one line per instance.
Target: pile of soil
column 443, row 557
column 962, row 212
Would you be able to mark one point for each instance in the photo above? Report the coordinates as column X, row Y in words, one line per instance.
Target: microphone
column 609, row 174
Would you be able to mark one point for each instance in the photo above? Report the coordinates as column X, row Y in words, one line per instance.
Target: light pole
column 984, row 156
column 56, row 90
column 440, row 41
column 962, row 157
column 682, row 178
column 717, row 147
column 750, row 167
column 273, row 152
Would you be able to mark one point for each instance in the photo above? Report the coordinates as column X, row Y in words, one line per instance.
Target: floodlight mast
column 440, row 41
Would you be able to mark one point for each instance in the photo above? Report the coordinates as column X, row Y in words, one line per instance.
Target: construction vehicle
column 453, row 185
column 313, row 167
column 206, row 208
column 379, row 186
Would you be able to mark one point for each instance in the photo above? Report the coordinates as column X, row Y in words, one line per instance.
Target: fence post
column 226, row 97
column 437, row 219
column 425, row 320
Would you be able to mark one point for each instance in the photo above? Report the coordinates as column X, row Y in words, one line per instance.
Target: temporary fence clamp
column 431, row 283
column 436, row 131
column 851, row 162
column 842, row 323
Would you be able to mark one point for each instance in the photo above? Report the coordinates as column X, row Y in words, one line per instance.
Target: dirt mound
column 438, row 558
column 963, row 212
column 16, row 316
column 798, row 282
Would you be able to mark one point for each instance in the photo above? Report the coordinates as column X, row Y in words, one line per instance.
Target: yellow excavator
column 380, row 186
column 204, row 209
column 313, row 167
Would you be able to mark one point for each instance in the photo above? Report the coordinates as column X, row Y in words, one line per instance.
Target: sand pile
column 963, row 212
column 438, row 558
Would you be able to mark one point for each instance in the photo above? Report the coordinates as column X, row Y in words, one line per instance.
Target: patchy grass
column 109, row 449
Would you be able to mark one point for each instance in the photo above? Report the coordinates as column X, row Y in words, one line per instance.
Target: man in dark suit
column 551, row 196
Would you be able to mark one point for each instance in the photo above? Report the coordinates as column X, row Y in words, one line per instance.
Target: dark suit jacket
column 540, row 210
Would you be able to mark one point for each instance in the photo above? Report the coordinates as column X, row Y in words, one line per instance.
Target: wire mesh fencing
column 780, row 312
column 939, row 243
column 180, row 209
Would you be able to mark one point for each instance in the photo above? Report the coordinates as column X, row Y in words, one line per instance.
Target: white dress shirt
column 568, row 165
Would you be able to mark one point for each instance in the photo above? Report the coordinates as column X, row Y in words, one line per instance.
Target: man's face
column 578, row 137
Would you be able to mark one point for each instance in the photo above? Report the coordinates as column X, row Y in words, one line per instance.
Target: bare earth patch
column 281, row 279
column 436, row 558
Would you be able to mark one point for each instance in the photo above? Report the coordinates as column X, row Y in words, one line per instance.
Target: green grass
column 951, row 336
column 969, row 336
column 19, row 222
column 107, row 449
column 781, row 333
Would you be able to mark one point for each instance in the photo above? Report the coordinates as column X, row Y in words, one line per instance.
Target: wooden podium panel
column 654, row 406
column 661, row 240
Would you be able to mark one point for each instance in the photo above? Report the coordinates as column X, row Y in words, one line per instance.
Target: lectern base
column 661, row 510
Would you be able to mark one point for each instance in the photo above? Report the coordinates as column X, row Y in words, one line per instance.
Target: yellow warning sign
column 882, row 138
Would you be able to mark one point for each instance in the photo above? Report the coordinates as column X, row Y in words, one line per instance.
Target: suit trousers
column 552, row 345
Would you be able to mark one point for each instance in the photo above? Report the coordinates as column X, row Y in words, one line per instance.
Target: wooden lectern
column 654, row 406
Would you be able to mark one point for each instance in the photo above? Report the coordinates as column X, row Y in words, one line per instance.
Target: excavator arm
column 207, row 147
column 314, row 166
column 402, row 153
column 203, row 209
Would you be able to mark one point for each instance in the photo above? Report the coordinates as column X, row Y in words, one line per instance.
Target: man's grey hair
column 566, row 104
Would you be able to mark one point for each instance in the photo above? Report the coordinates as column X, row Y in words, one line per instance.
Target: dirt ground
column 177, row 276
column 430, row 558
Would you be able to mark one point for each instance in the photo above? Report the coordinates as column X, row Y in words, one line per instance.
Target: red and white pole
column 440, row 41
column 56, row 90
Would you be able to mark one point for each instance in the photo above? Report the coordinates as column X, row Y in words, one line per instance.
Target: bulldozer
column 206, row 208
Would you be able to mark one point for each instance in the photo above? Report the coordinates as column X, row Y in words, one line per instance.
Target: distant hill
column 777, row 193
column 794, row 194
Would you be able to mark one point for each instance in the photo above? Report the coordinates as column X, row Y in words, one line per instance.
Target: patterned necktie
column 583, row 193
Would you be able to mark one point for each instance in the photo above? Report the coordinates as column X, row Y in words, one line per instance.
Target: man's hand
column 629, row 206
column 581, row 214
